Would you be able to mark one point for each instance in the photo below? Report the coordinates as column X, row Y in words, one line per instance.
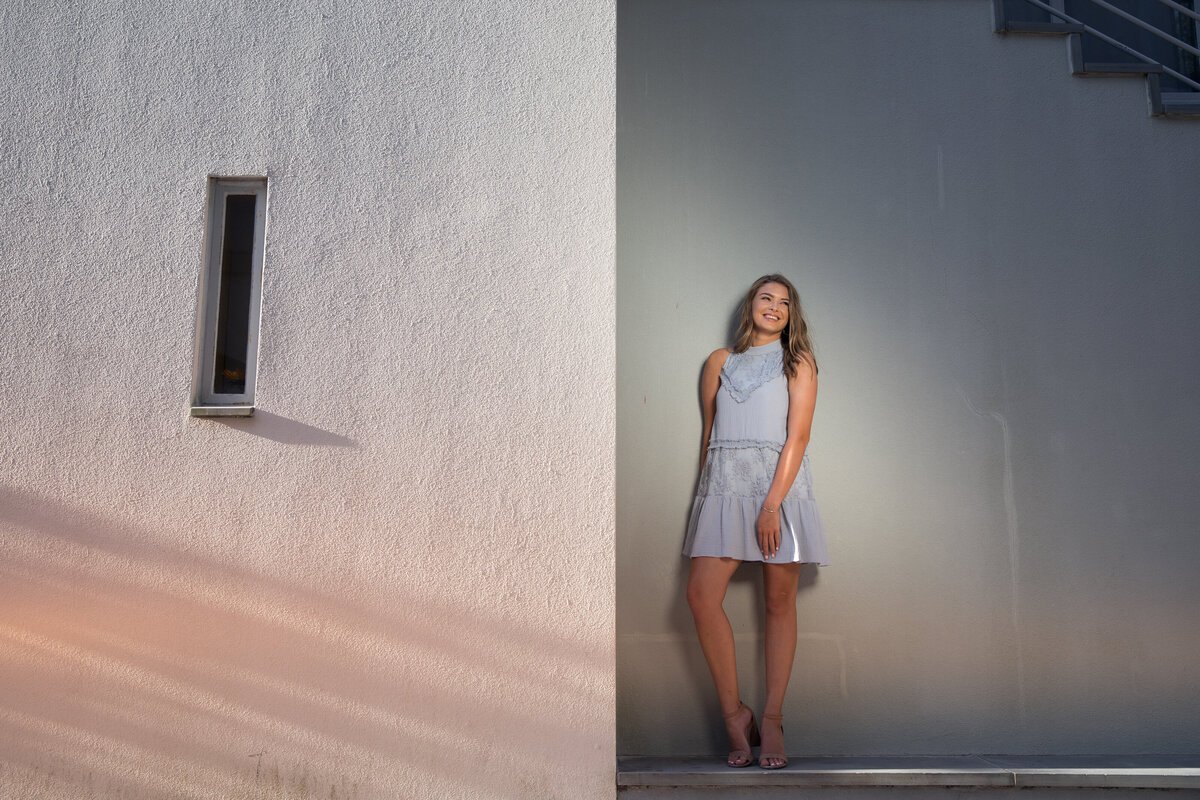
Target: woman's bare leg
column 707, row 582
column 780, row 583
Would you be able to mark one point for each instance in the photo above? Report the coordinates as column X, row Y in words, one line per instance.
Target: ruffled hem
column 726, row 527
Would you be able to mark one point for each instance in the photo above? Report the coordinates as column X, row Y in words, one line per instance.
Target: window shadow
column 288, row 431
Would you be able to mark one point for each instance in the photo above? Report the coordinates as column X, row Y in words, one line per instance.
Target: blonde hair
column 797, row 347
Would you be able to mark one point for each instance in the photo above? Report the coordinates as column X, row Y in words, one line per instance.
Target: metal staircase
column 1107, row 38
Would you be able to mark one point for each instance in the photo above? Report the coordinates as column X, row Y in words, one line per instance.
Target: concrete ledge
column 1103, row 69
column 1041, row 28
column 1090, row 772
column 222, row 411
column 1180, row 104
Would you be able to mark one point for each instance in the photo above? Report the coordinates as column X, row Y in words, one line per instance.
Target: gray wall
column 998, row 262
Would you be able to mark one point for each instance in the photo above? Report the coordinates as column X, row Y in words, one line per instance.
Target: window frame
column 206, row 402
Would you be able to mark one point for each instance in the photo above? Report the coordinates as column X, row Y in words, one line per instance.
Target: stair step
column 1105, row 68
column 1184, row 105
column 1172, row 104
column 1018, row 773
column 1181, row 104
column 1118, row 68
column 1039, row 28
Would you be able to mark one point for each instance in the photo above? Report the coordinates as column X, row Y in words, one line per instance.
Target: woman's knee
column 781, row 583
column 702, row 597
column 780, row 601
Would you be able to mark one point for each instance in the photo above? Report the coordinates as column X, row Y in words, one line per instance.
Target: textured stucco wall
column 998, row 261
column 395, row 580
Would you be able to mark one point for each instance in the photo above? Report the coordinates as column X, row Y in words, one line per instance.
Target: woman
column 755, row 501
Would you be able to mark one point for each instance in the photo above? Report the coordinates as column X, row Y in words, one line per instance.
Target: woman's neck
column 759, row 339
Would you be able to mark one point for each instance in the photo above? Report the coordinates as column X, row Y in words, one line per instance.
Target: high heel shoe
column 743, row 757
column 764, row 759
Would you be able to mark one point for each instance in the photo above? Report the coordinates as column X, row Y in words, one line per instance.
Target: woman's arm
column 802, row 401
column 710, row 382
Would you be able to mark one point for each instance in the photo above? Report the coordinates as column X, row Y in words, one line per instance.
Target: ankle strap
column 772, row 716
column 735, row 712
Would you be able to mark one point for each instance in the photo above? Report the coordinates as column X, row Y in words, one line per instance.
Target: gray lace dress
column 748, row 433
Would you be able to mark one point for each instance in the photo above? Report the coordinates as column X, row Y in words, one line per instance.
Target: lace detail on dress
column 747, row 472
column 745, row 372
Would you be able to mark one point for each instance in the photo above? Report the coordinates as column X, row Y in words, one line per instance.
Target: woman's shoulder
column 805, row 368
column 717, row 358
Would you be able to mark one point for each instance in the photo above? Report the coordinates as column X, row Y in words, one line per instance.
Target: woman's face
column 770, row 309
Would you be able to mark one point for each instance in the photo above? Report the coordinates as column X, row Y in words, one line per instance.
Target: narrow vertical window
column 230, row 292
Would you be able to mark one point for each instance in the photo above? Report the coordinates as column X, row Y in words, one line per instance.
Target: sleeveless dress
column 748, row 433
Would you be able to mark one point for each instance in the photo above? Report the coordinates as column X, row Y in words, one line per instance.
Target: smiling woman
column 755, row 501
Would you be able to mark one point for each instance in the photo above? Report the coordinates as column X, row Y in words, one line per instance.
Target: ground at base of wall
column 916, row 778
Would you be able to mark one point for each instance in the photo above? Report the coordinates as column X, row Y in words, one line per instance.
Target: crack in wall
column 1012, row 526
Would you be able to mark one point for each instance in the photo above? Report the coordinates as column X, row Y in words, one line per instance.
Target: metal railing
column 1139, row 22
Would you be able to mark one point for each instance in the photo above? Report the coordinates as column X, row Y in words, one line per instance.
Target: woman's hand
column 768, row 532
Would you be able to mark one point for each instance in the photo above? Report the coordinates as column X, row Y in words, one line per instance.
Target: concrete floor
column 933, row 776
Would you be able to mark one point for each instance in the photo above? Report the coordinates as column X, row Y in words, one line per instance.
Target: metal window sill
column 222, row 411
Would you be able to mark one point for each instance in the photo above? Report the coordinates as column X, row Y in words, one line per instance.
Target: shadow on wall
column 135, row 669
column 284, row 430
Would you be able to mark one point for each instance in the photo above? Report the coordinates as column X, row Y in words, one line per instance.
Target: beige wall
column 395, row 580
column 998, row 262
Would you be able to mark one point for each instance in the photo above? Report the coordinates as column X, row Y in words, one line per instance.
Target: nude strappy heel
column 763, row 757
column 742, row 757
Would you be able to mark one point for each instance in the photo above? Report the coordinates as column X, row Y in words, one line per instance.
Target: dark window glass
column 233, row 310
